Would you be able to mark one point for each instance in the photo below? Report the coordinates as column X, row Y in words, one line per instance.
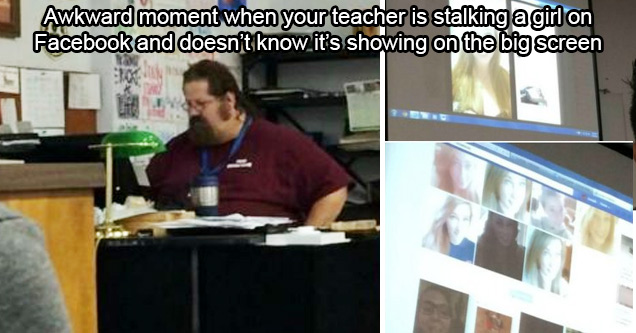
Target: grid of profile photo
column 444, row 310
column 497, row 219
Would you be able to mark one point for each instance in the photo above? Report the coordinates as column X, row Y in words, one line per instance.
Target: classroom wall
column 18, row 51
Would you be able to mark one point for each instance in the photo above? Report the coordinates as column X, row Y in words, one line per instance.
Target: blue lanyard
column 206, row 155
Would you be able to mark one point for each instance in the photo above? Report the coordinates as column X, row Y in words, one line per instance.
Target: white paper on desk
column 234, row 221
column 9, row 80
column 49, row 131
column 9, row 113
column 84, row 91
column 42, row 98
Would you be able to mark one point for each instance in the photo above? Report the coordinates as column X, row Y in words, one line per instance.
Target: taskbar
column 497, row 123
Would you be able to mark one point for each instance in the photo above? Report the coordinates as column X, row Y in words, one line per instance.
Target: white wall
column 615, row 21
column 18, row 52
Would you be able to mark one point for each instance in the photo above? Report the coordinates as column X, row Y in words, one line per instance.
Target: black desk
column 233, row 284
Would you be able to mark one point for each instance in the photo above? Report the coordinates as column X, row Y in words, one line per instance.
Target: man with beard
column 263, row 169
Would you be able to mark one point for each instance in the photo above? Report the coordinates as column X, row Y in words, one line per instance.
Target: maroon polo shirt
column 277, row 171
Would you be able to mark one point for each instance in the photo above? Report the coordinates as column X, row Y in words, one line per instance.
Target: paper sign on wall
column 84, row 91
column 9, row 80
column 42, row 98
column 9, row 113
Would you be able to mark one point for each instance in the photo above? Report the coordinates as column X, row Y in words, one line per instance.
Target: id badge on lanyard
column 205, row 188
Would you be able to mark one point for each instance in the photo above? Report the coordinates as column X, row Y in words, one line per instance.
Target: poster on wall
column 9, row 80
column 127, row 78
column 42, row 96
column 152, row 99
column 174, row 99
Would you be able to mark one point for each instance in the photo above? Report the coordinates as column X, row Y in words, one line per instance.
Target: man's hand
column 326, row 209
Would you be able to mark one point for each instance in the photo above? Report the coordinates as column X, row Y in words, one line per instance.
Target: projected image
column 530, row 324
column 458, row 173
column 626, row 296
column 545, row 265
column 492, row 322
column 553, row 211
column 481, row 81
column 439, row 309
column 537, row 79
column 501, row 247
column 597, row 230
column 507, row 192
column 450, row 228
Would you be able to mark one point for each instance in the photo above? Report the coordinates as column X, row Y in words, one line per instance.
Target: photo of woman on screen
column 449, row 230
column 481, row 85
column 439, row 309
column 554, row 215
column 545, row 263
column 497, row 248
column 597, row 230
column 459, row 173
column 507, row 192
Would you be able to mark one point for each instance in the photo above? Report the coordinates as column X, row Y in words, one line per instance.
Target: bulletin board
column 145, row 90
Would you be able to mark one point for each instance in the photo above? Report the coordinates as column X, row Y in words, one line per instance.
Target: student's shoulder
column 17, row 234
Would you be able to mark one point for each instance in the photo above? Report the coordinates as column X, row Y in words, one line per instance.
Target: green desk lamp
column 122, row 145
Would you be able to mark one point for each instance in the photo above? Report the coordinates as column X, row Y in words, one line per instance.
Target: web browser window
column 486, row 237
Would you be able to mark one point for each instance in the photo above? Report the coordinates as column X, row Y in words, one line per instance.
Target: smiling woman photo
column 507, row 192
column 544, row 263
column 597, row 230
column 450, row 228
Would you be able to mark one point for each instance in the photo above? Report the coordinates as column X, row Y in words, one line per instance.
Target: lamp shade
column 133, row 143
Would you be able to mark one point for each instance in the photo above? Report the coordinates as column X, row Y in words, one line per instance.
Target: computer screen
column 495, row 96
column 484, row 237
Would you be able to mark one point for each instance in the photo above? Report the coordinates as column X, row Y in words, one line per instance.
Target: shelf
column 289, row 102
column 252, row 58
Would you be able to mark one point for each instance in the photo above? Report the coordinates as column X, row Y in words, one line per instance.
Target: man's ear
column 230, row 98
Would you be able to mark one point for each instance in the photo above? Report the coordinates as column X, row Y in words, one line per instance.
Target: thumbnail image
column 481, row 81
column 537, row 79
column 450, row 228
column 439, row 309
column 552, row 211
column 627, row 247
column 546, row 266
column 458, row 173
column 507, row 193
column 492, row 322
column 626, row 296
column 597, row 230
column 530, row 324
column 571, row 330
column 501, row 247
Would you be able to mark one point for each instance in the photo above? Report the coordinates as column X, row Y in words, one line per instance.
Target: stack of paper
column 234, row 221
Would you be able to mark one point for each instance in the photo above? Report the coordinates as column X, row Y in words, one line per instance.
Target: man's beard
column 202, row 134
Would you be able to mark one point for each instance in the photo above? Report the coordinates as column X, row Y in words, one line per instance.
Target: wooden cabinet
column 59, row 197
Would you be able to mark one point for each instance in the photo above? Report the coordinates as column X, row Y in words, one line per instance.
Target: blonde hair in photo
column 591, row 218
column 490, row 198
column 538, row 244
column 466, row 92
column 438, row 238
